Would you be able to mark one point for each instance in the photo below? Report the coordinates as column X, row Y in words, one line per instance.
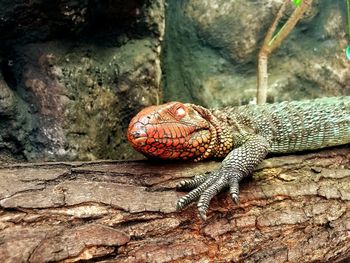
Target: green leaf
column 347, row 52
column 297, row 2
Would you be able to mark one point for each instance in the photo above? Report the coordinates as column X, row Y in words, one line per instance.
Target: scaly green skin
column 242, row 135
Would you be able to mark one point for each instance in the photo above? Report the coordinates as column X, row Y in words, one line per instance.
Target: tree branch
column 271, row 43
column 295, row 208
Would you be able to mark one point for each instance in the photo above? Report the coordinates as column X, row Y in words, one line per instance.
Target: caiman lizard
column 241, row 135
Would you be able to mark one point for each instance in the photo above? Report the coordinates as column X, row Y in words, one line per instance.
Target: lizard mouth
column 140, row 141
column 191, row 144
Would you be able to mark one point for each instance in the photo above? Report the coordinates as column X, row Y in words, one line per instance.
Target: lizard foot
column 207, row 186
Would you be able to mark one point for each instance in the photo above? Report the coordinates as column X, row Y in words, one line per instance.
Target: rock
column 78, row 73
column 211, row 49
column 7, row 102
column 85, row 96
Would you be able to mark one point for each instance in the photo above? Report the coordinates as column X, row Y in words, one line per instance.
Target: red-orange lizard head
column 172, row 131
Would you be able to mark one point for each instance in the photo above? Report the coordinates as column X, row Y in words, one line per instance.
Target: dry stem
column 273, row 42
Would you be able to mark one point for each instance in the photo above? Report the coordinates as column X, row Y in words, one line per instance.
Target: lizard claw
column 234, row 190
column 181, row 203
column 202, row 213
column 235, row 198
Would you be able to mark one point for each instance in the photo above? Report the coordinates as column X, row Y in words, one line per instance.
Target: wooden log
column 296, row 208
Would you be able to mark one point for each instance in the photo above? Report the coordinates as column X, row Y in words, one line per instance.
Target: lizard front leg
column 239, row 163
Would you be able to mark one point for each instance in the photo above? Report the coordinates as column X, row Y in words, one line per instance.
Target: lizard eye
column 180, row 112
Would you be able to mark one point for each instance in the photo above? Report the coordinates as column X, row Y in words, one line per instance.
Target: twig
column 271, row 43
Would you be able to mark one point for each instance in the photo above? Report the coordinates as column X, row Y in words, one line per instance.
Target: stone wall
column 72, row 75
column 212, row 51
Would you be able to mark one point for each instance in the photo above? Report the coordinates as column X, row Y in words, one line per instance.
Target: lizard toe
column 209, row 193
column 181, row 203
column 235, row 198
column 195, row 193
column 193, row 182
column 234, row 188
column 202, row 213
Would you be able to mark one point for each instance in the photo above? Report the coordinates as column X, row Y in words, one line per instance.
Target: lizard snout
column 137, row 134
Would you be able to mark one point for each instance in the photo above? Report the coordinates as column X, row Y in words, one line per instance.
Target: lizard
column 242, row 136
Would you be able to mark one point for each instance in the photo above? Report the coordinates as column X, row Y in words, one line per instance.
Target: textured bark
column 296, row 208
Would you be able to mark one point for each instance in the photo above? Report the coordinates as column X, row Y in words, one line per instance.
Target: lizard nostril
column 138, row 130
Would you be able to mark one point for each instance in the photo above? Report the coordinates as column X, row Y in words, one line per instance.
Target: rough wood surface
column 295, row 208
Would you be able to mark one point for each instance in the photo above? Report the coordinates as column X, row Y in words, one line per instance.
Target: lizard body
column 242, row 135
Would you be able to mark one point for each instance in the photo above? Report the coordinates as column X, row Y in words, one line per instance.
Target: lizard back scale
column 242, row 135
